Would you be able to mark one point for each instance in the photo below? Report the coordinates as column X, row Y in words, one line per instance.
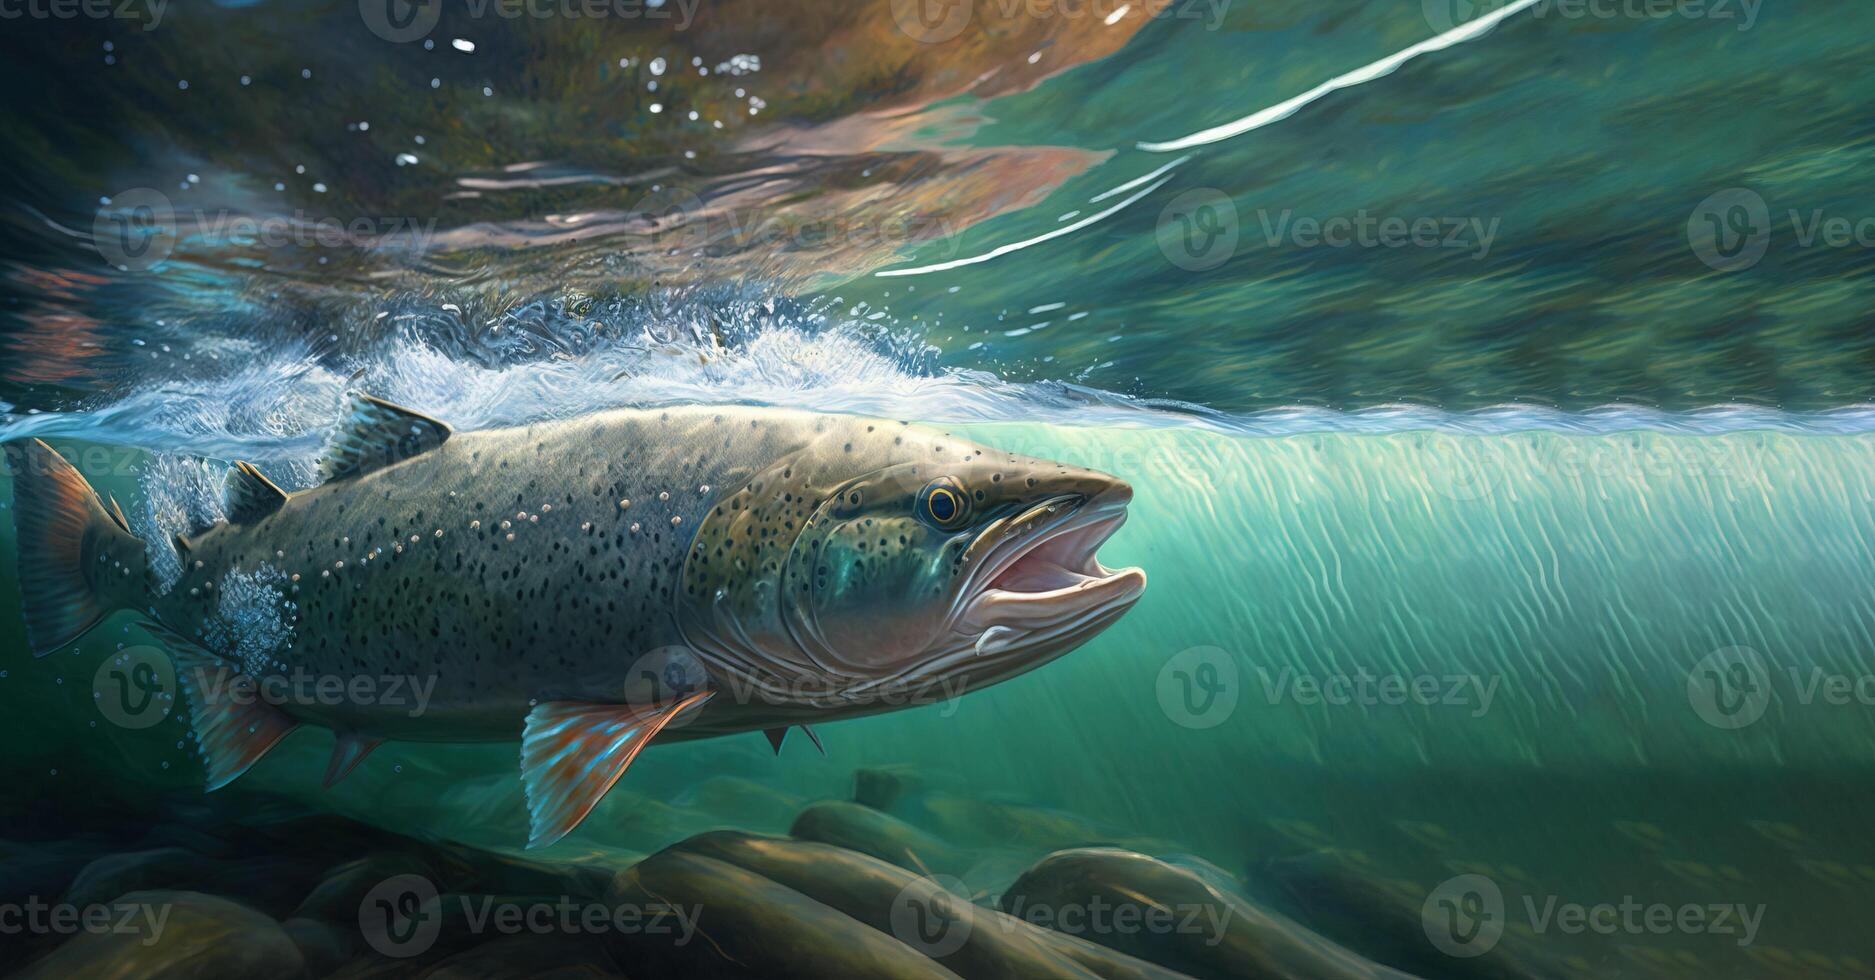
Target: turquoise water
column 1543, row 558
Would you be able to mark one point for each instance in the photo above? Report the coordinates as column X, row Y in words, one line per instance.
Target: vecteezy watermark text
column 1465, row 916
column 1444, row 15
column 303, row 688
column 1364, row 230
column 1370, row 689
column 137, row 230
column 36, row 916
column 150, row 12
column 937, row 21
column 402, row 21
column 1200, row 229
column 404, row 914
column 1734, row 229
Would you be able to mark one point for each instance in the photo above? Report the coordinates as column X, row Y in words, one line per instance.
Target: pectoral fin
column 233, row 726
column 573, row 751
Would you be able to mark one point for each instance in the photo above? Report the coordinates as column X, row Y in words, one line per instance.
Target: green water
column 1542, row 599
column 1541, row 554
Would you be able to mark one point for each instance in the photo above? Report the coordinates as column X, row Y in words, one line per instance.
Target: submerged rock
column 1345, row 893
column 338, row 894
column 886, row 837
column 967, row 939
column 753, row 805
column 746, row 925
column 1175, row 917
column 561, row 957
column 186, row 935
column 271, row 882
column 323, row 945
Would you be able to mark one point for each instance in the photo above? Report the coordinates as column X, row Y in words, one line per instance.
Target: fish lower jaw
column 1005, row 618
column 1042, row 587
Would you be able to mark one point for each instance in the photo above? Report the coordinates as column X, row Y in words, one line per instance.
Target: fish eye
column 942, row 504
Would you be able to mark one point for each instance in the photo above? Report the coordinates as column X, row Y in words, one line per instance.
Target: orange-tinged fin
column 234, row 727
column 76, row 561
column 348, row 753
column 573, row 751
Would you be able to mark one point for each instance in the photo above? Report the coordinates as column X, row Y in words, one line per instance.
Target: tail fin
column 77, row 561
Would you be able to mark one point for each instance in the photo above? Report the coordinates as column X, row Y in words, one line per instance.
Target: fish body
column 584, row 585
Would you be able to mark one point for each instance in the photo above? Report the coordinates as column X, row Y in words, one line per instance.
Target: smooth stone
column 270, row 882
column 744, row 802
column 1207, row 931
column 559, row 957
column 749, row 926
column 323, row 945
column 1346, row 895
column 881, row 835
column 495, row 872
column 337, row 896
column 888, row 898
column 202, row 936
column 885, row 787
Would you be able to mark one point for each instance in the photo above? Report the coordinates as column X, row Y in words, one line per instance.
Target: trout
column 590, row 584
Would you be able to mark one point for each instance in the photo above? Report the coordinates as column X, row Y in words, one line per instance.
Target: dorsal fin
column 377, row 435
column 251, row 496
column 117, row 514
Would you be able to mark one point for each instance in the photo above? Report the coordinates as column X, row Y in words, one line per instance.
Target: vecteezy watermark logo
column 402, row 916
column 1463, row 468
column 222, row 684
column 136, row 230
column 932, row 21
column 1444, row 15
column 1730, row 688
column 1197, row 230
column 1198, row 688
column 664, row 677
column 1730, row 230
column 928, row 916
column 937, row 21
column 399, row 21
column 1464, row 916
column 135, row 687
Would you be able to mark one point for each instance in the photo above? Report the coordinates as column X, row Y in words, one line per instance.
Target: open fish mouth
column 1038, row 576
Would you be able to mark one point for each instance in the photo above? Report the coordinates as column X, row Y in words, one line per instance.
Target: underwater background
column 1499, row 420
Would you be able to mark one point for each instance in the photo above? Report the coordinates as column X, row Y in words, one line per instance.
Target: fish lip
column 1038, row 576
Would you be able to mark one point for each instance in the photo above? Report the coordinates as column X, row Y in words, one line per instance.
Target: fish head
column 895, row 557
